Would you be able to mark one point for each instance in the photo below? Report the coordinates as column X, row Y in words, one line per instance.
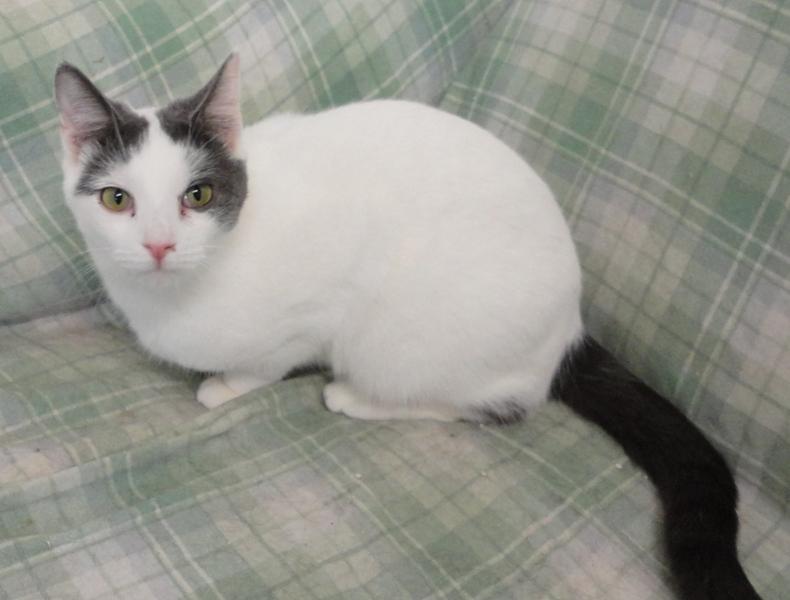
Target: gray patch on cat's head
column 114, row 145
column 211, row 161
column 190, row 121
column 113, row 132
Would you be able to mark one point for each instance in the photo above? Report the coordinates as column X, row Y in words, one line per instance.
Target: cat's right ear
column 219, row 105
column 84, row 111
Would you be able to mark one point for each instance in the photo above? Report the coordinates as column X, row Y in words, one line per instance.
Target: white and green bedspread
column 663, row 126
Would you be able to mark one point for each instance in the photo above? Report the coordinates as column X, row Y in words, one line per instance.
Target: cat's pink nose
column 159, row 250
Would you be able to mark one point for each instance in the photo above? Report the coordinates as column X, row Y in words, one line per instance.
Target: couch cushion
column 296, row 55
column 74, row 388
column 117, row 484
column 663, row 129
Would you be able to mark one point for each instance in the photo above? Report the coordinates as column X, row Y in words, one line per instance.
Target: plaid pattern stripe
column 662, row 127
column 301, row 56
column 114, row 483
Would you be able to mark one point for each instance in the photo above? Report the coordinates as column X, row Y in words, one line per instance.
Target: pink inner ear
column 230, row 133
column 72, row 142
column 77, row 128
column 83, row 112
column 224, row 106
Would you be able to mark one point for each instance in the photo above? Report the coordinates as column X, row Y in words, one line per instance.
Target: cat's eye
column 197, row 196
column 115, row 199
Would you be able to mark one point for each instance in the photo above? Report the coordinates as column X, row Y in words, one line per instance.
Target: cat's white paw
column 340, row 398
column 213, row 392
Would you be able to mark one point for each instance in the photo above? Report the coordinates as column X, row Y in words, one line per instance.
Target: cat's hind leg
column 341, row 397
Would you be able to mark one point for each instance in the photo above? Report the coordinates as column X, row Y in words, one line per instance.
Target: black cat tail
column 694, row 483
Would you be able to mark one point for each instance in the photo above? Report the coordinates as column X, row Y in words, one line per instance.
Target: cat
column 408, row 249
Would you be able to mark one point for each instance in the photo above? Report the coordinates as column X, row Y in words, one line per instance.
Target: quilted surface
column 116, row 484
column 662, row 128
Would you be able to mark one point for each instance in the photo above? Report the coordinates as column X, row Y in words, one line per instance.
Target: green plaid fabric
column 116, row 484
column 663, row 128
column 301, row 55
column 659, row 126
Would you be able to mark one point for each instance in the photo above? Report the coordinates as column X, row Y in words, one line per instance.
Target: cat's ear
column 84, row 111
column 219, row 105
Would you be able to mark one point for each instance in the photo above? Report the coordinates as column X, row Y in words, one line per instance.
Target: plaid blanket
column 663, row 128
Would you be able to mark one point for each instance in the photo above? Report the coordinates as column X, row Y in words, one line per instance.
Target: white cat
column 409, row 250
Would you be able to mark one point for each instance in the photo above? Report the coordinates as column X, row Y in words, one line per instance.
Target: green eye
column 197, row 196
column 115, row 199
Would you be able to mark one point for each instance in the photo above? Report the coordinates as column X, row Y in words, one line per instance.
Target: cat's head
column 153, row 191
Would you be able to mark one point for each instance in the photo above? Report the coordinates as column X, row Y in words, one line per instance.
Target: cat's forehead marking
column 159, row 167
column 124, row 135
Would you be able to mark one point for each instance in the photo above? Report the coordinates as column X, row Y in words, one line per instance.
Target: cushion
column 115, row 483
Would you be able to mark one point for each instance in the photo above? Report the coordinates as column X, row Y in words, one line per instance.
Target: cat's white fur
column 410, row 250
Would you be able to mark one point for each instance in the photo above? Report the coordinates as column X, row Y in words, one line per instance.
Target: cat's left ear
column 84, row 111
column 219, row 104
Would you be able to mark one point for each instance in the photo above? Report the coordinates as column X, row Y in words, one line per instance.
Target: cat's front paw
column 214, row 392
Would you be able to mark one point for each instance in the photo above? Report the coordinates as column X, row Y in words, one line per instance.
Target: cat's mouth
column 165, row 269
column 158, row 276
column 159, row 268
column 156, row 269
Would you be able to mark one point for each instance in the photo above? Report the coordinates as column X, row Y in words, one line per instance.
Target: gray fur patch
column 125, row 132
column 183, row 121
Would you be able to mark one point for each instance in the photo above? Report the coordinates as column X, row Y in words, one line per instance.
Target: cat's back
column 391, row 174
column 399, row 131
column 400, row 157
